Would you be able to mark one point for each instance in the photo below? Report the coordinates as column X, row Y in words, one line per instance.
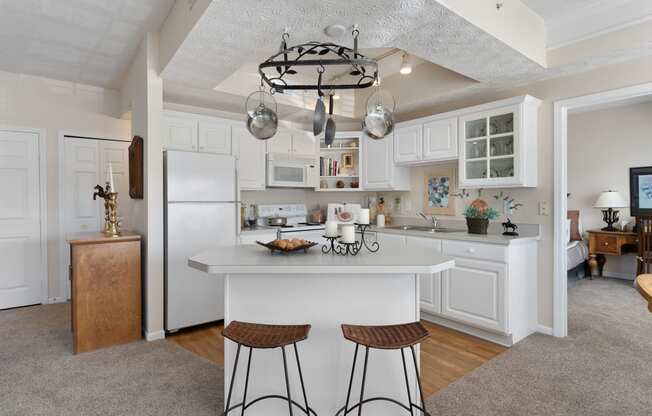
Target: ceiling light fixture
column 406, row 68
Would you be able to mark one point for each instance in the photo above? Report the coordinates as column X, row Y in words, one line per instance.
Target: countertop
column 253, row 259
column 525, row 235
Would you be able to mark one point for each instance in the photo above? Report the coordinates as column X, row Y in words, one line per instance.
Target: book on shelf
column 328, row 166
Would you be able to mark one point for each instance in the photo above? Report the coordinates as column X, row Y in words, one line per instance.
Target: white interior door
column 20, row 223
column 86, row 164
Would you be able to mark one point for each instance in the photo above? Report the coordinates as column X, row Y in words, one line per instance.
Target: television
column 640, row 191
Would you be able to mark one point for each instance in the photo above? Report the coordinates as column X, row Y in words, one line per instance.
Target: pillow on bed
column 574, row 217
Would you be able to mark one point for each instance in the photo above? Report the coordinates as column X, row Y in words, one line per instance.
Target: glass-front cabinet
column 498, row 146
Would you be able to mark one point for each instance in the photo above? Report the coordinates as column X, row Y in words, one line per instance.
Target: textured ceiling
column 226, row 37
column 86, row 41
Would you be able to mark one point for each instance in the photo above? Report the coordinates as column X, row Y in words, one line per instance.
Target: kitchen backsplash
column 406, row 207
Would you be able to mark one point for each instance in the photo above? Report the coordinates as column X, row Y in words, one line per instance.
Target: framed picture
column 440, row 184
column 347, row 160
column 640, row 191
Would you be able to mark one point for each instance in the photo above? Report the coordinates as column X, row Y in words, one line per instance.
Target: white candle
column 380, row 221
column 331, row 228
column 348, row 233
column 363, row 216
column 109, row 179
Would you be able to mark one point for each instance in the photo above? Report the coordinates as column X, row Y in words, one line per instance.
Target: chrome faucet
column 432, row 220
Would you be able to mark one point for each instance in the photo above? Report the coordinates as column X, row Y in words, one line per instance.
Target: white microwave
column 286, row 171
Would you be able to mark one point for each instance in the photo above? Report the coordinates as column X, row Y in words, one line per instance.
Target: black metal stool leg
column 364, row 379
column 348, row 394
column 244, row 398
column 416, row 369
column 287, row 380
column 303, row 386
column 235, row 368
column 407, row 382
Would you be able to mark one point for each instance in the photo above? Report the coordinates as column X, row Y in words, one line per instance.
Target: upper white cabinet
column 179, row 133
column 251, row 154
column 407, row 143
column 498, row 144
column 214, row 137
column 379, row 173
column 440, row 139
column 426, row 140
column 195, row 133
column 294, row 142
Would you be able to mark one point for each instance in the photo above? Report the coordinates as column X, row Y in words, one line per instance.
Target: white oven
column 287, row 171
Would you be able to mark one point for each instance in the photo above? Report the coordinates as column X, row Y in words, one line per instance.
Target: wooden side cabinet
column 106, row 290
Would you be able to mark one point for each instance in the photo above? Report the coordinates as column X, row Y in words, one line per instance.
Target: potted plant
column 477, row 213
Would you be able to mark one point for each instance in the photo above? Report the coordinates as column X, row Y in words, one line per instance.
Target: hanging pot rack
column 319, row 55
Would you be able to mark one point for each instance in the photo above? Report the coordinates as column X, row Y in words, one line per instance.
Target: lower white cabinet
column 474, row 293
column 251, row 155
column 430, row 283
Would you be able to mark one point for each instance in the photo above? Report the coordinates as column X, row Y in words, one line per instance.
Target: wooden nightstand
column 615, row 243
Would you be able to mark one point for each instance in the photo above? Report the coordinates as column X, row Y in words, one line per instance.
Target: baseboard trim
column 504, row 340
column 617, row 275
column 546, row 330
column 154, row 336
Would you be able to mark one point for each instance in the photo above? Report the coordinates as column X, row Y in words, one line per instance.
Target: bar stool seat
column 386, row 337
column 265, row 336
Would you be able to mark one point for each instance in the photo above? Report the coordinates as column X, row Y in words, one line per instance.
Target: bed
column 577, row 249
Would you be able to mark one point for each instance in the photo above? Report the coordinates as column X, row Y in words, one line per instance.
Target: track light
column 406, row 68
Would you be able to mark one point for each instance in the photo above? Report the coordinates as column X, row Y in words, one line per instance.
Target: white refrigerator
column 201, row 212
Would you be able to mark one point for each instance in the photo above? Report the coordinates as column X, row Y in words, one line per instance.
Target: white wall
column 602, row 146
column 142, row 96
column 27, row 101
column 606, row 78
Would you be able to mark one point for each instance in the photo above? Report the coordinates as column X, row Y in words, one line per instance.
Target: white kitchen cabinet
column 440, row 139
column 407, row 143
column 430, row 283
column 474, row 293
column 293, row 142
column 304, row 144
column 427, row 140
column 180, row 133
column 250, row 153
column 379, row 173
column 214, row 137
column 498, row 144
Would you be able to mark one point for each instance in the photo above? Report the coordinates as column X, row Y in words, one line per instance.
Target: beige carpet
column 40, row 376
column 602, row 368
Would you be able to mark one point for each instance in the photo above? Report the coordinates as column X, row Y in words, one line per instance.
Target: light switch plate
column 544, row 208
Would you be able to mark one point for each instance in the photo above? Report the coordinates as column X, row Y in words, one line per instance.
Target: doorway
column 85, row 163
column 563, row 109
column 23, row 251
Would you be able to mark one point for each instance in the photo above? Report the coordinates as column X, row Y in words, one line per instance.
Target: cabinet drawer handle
column 470, row 250
column 606, row 244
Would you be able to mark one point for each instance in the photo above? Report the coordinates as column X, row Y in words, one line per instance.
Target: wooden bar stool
column 388, row 337
column 644, row 287
column 265, row 337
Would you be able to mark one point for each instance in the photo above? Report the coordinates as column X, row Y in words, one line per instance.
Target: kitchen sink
column 426, row 229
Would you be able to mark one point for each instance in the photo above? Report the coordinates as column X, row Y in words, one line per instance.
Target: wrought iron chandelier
column 279, row 69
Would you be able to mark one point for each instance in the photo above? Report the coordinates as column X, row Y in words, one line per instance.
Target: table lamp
column 607, row 201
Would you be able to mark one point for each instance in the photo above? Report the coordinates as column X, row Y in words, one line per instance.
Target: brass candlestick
column 111, row 222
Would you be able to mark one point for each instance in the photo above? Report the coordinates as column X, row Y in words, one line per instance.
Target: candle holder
column 111, row 221
column 373, row 247
column 331, row 246
column 345, row 249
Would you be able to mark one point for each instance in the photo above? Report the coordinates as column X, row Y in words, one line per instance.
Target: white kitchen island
column 324, row 291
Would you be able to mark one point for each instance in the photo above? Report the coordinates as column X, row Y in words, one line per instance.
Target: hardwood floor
column 445, row 357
